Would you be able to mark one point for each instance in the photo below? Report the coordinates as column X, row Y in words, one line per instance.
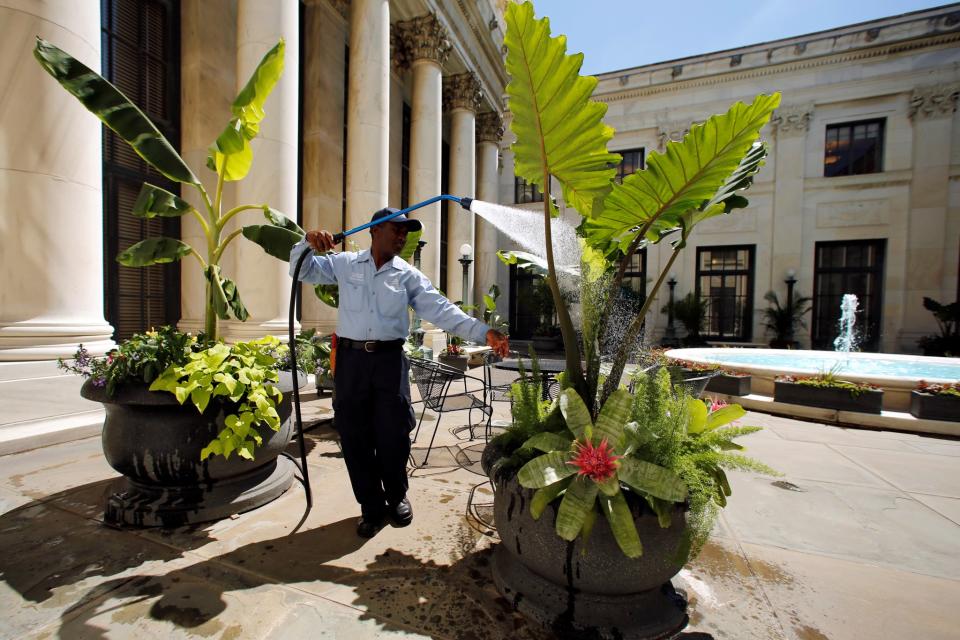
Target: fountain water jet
column 847, row 340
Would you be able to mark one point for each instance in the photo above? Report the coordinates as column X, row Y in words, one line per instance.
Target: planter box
column 730, row 385
column 870, row 401
column 932, row 406
column 457, row 362
column 543, row 344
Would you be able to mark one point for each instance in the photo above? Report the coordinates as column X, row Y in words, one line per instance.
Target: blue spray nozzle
column 464, row 202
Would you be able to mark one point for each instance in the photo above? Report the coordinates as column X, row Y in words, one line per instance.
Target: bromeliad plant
column 664, row 448
column 561, row 137
column 230, row 158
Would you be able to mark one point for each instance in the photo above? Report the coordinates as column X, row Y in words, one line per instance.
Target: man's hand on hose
column 499, row 343
column 321, row 241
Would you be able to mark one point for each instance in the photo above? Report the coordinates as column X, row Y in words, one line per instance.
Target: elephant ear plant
column 207, row 370
column 561, row 137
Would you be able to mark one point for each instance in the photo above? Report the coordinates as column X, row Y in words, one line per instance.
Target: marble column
column 462, row 96
column 51, row 190
column 425, row 45
column 931, row 110
column 208, row 82
column 489, row 132
column 368, row 113
column 263, row 281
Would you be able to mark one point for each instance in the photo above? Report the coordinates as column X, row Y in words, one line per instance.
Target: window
column 523, row 315
column 524, row 193
column 631, row 163
column 140, row 55
column 634, row 286
column 848, row 267
column 853, row 148
column 725, row 284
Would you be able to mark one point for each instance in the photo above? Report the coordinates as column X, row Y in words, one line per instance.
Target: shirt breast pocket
column 392, row 300
column 352, row 292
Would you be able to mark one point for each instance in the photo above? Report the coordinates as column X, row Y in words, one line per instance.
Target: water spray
column 464, row 202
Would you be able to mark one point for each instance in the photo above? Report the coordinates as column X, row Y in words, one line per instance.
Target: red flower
column 716, row 405
column 598, row 462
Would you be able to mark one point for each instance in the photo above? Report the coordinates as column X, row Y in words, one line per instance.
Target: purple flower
column 99, row 381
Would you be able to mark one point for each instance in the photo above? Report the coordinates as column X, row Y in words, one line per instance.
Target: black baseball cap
column 411, row 224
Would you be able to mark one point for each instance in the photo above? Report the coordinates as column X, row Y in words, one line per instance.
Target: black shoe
column 369, row 527
column 401, row 514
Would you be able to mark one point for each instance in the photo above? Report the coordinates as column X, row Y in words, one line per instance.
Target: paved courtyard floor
column 860, row 539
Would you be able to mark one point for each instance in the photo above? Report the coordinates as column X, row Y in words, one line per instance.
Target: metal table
column 548, row 371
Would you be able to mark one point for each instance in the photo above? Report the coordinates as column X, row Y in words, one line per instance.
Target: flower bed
column 936, row 401
column 827, row 392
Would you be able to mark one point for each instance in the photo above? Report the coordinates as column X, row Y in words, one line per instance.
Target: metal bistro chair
column 434, row 381
column 500, row 391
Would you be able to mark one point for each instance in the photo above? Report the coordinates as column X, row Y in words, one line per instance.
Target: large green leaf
column 277, row 241
column 153, row 251
column 277, row 219
column 547, row 442
column 726, row 415
column 576, row 414
column 410, row 246
column 544, row 470
column 577, row 501
column 646, row 477
column 687, row 175
column 232, row 153
column 697, row 415
column 226, row 298
column 613, row 416
column 559, row 129
column 154, row 201
column 546, row 495
column 621, row 524
column 115, row 110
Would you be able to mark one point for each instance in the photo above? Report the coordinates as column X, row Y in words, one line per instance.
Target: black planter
column 934, row 406
column 730, row 385
column 457, row 362
column 599, row 594
column 869, row 401
column 546, row 344
column 155, row 443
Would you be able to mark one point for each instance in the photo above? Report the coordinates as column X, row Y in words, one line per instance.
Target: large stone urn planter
column 599, row 594
column 155, row 443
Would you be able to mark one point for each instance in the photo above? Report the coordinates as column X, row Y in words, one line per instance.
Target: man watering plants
column 372, row 404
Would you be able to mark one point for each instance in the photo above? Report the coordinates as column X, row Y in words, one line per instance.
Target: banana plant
column 230, row 158
column 587, row 465
column 560, row 135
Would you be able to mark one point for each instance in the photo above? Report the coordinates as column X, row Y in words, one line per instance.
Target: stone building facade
column 860, row 193
column 382, row 102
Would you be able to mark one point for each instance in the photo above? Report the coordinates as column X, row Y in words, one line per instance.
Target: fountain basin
column 896, row 374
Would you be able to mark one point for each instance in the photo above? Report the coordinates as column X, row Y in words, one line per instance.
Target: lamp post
column 790, row 280
column 670, row 335
column 465, row 252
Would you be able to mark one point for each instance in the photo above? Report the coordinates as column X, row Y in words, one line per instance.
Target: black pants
column 374, row 418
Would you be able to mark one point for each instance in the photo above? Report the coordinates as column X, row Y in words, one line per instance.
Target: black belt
column 371, row 345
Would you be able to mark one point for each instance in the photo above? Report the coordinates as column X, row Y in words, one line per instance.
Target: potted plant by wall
column 195, row 426
column 828, row 391
column 454, row 355
column 948, row 320
column 932, row 401
column 730, row 382
column 691, row 312
column 561, row 139
column 782, row 321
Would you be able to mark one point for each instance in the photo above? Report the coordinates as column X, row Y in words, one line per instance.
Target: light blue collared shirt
column 373, row 302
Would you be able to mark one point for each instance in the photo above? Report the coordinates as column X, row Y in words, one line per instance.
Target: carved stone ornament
column 671, row 131
column 934, row 101
column 462, row 91
column 792, row 119
column 489, row 127
column 422, row 38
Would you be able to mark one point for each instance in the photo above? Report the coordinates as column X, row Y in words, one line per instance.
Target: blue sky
column 616, row 34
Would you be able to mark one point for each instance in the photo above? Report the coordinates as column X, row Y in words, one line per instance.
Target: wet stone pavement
column 859, row 539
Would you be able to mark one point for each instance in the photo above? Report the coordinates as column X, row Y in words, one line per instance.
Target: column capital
column 421, row 38
column 934, row 101
column 489, row 127
column 462, row 91
column 792, row 119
